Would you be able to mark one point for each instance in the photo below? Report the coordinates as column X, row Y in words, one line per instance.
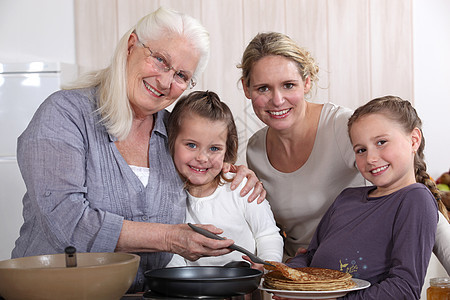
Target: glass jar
column 439, row 289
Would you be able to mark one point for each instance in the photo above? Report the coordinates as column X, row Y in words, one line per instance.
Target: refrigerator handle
column 6, row 159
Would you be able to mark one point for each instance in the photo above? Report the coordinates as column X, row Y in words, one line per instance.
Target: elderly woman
column 95, row 159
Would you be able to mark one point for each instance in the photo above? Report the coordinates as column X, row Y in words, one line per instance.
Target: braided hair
column 402, row 112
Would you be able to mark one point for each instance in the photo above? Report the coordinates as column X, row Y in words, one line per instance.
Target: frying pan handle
column 205, row 232
column 211, row 235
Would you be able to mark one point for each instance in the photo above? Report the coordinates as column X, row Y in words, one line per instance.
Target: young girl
column 382, row 233
column 202, row 136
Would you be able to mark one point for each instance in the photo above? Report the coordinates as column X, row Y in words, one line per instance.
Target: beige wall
column 363, row 47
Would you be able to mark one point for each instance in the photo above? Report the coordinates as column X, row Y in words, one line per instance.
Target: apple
column 443, row 187
column 446, row 199
column 444, row 178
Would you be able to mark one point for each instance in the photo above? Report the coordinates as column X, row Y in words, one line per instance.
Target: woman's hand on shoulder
column 300, row 251
column 253, row 182
column 184, row 241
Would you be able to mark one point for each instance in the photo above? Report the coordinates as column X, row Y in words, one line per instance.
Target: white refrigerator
column 23, row 87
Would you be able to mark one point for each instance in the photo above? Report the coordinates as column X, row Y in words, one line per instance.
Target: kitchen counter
column 149, row 296
column 138, row 296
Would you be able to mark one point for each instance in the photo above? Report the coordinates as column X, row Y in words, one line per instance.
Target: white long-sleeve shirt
column 250, row 225
column 442, row 245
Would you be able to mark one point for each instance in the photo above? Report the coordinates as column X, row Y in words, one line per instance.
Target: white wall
column 29, row 31
column 37, row 31
column 432, row 79
column 432, row 91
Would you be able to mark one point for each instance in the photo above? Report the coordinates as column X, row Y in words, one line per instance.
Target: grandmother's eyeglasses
column 181, row 77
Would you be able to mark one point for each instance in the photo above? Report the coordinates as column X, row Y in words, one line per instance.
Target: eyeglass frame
column 192, row 82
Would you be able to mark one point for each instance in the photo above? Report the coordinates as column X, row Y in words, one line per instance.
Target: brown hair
column 205, row 104
column 402, row 112
column 275, row 43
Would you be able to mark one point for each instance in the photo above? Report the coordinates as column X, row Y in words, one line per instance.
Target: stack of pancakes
column 282, row 277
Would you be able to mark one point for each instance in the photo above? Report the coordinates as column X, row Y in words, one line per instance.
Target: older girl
column 382, row 233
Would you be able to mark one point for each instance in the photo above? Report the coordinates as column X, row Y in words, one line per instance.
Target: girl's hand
column 253, row 265
column 253, row 182
column 300, row 250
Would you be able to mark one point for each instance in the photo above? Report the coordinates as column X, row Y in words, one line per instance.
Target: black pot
column 203, row 281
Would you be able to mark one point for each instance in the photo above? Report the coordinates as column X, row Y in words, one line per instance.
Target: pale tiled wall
column 363, row 47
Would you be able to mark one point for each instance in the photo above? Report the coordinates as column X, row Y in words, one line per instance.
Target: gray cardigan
column 79, row 187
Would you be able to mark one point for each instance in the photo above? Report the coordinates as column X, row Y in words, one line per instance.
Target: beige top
column 300, row 199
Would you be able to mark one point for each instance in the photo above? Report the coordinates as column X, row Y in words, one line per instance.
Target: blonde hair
column 403, row 113
column 114, row 106
column 275, row 43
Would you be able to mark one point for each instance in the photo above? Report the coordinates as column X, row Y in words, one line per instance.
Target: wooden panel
column 96, row 33
column 259, row 16
column 263, row 15
column 363, row 47
column 227, row 45
column 307, row 24
column 131, row 11
column 391, row 48
column 349, row 52
column 190, row 7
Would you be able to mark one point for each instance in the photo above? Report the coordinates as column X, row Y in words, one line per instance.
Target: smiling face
column 384, row 152
column 148, row 89
column 199, row 152
column 277, row 91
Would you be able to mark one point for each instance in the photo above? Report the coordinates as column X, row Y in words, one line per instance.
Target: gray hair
column 114, row 107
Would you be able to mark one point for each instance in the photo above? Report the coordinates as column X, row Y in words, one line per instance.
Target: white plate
column 360, row 284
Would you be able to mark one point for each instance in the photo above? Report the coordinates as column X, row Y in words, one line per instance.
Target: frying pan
column 202, row 281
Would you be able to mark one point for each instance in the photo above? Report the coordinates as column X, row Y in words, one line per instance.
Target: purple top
column 385, row 240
